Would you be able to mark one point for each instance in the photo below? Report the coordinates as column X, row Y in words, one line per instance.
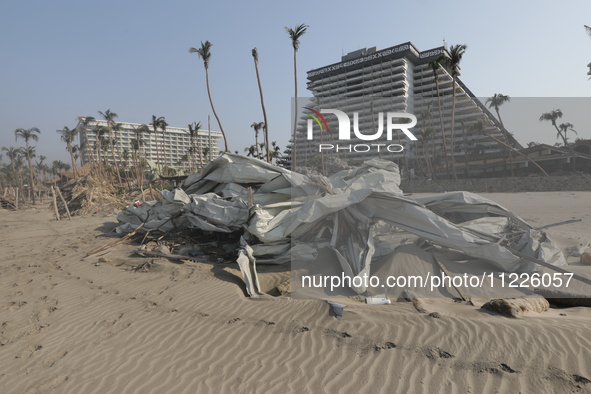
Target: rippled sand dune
column 70, row 326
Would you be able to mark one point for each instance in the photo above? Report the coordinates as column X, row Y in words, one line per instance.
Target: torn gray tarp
column 359, row 214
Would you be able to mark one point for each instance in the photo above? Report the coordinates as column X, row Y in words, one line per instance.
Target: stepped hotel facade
column 398, row 80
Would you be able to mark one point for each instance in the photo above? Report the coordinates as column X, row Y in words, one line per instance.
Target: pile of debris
column 88, row 194
column 348, row 222
column 7, row 203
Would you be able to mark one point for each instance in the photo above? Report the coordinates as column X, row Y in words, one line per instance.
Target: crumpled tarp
column 359, row 214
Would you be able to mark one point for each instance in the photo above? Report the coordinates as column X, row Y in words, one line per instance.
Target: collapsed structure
column 354, row 216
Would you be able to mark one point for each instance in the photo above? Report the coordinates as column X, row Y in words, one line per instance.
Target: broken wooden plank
column 57, row 214
column 558, row 224
column 63, row 201
column 548, row 265
column 111, row 244
column 152, row 253
column 442, row 267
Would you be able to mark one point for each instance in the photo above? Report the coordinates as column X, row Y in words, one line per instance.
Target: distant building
column 175, row 141
column 396, row 79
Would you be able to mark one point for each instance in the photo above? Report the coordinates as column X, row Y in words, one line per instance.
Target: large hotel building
column 397, row 79
column 176, row 142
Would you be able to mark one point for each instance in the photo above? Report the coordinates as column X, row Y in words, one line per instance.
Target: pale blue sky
column 63, row 59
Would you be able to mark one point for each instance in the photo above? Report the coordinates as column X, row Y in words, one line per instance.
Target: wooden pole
column 547, row 265
column 16, row 197
column 57, row 214
column 64, row 201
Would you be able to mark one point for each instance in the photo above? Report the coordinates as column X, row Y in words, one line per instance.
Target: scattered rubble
column 87, row 194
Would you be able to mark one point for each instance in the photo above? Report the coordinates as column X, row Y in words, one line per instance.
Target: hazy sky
column 63, row 59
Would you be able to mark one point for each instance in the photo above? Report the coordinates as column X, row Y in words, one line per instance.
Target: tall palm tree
column 495, row 102
column 255, row 56
column 68, row 136
column 257, row 126
column 427, row 132
column 435, row 65
column 564, row 128
column 205, row 53
column 194, row 136
column 163, row 126
column 84, row 122
column 41, row 167
column 29, row 134
column 100, row 143
column 552, row 117
column 110, row 118
column 136, row 144
column 456, row 52
column 295, row 35
column 156, row 121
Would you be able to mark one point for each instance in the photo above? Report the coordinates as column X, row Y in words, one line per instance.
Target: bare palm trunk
column 158, row 161
column 453, row 125
column 256, row 67
column 164, row 151
column 73, row 160
column 442, row 126
column 213, row 110
column 256, row 144
column 295, row 112
column 509, row 153
column 200, row 152
column 31, row 176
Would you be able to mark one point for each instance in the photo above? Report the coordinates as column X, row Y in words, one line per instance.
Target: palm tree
column 194, row 135
column 13, row 154
column 58, row 165
column 425, row 132
column 564, row 128
column 41, row 167
column 250, row 150
column 495, row 102
column 456, row 52
column 205, row 54
column 136, row 144
column 163, row 125
column 29, row 134
column 255, row 56
column 155, row 125
column 68, row 136
column 257, row 127
column 100, row 143
column 276, row 152
column 435, row 65
column 110, row 118
column 552, row 117
column 84, row 122
column 295, row 35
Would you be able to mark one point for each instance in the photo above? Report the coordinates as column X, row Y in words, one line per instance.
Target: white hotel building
column 396, row 79
column 176, row 141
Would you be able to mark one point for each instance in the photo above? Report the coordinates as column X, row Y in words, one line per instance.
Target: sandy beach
column 76, row 324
